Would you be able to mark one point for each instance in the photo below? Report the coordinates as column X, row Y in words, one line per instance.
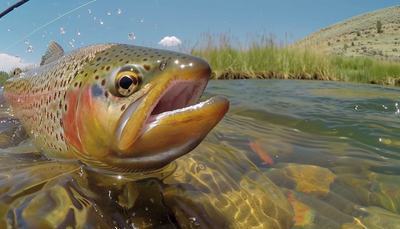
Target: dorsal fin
column 53, row 53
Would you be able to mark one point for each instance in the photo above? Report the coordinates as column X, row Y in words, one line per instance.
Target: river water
column 331, row 149
column 350, row 129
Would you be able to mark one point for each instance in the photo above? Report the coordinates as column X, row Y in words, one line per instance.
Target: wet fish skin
column 78, row 105
column 37, row 98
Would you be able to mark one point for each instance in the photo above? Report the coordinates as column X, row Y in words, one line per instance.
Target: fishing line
column 48, row 24
column 11, row 8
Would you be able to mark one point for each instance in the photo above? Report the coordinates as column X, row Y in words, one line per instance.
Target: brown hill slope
column 358, row 36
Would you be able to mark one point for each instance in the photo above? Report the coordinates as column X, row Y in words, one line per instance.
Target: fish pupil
column 126, row 82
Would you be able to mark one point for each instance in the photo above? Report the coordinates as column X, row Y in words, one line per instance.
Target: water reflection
column 287, row 153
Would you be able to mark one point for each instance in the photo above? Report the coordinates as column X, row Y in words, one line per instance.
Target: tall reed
column 263, row 55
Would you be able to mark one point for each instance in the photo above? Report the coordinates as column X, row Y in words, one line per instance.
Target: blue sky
column 184, row 19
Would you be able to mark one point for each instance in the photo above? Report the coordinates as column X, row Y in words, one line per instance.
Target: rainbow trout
column 115, row 107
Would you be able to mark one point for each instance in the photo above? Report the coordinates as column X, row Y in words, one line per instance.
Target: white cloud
column 9, row 63
column 170, row 41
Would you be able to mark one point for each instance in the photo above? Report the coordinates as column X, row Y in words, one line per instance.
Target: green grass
column 262, row 56
column 3, row 77
column 366, row 70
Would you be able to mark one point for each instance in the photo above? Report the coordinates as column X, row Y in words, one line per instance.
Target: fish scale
column 37, row 98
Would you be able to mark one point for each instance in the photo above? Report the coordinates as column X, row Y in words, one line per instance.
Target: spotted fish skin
column 38, row 97
column 116, row 107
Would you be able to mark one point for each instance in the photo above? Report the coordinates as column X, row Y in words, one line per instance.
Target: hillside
column 358, row 36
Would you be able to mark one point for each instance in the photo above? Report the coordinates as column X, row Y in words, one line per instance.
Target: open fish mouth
column 175, row 123
column 180, row 97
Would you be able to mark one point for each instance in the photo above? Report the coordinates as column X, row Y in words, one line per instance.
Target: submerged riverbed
column 331, row 148
column 350, row 129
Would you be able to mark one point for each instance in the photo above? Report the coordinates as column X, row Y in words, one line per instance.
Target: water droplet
column 62, row 30
column 132, row 36
column 8, row 29
column 108, row 12
column 89, row 11
column 26, row 41
column 141, row 19
column 78, row 32
column 30, row 49
column 80, row 172
column 101, row 22
column 192, row 219
column 118, row 10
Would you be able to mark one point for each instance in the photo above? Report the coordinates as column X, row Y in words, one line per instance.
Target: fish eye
column 127, row 82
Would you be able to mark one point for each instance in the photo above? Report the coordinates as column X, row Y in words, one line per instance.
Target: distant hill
column 358, row 36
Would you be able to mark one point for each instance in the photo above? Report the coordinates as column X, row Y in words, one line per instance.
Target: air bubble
column 101, row 22
column 132, row 36
column 108, row 12
column 94, row 18
column 78, row 32
column 142, row 20
column 16, row 56
column 8, row 29
column 62, row 30
column 89, row 11
column 118, row 10
column 26, row 42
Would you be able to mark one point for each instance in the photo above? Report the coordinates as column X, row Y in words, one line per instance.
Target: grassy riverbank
column 264, row 57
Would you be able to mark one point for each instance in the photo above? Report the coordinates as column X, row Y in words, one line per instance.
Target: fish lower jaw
column 157, row 119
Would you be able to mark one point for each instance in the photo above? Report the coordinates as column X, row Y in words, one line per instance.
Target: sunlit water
column 332, row 149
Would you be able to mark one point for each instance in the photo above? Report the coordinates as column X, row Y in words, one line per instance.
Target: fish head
column 134, row 109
